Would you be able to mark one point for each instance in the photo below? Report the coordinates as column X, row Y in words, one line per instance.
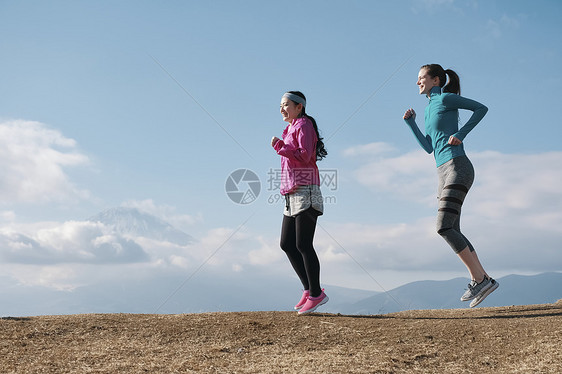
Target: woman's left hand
column 454, row 141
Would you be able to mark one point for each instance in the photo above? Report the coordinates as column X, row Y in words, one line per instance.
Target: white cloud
column 408, row 176
column 93, row 245
column 513, row 215
column 58, row 277
column 70, row 242
column 267, row 253
column 506, row 185
column 518, row 186
column 179, row 261
column 497, row 28
column 33, row 160
column 402, row 246
column 7, row 216
column 371, row 149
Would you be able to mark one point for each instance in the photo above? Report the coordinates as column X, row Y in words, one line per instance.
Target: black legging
column 297, row 234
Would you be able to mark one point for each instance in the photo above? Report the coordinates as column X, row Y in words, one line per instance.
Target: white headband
column 296, row 98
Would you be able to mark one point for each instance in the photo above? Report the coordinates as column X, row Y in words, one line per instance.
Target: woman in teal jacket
column 456, row 174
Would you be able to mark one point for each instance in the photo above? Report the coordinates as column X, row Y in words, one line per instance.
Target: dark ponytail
column 454, row 84
column 321, row 151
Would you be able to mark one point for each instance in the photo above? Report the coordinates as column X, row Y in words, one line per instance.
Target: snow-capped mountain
column 131, row 222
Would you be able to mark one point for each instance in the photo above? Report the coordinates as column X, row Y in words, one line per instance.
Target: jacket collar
column 434, row 92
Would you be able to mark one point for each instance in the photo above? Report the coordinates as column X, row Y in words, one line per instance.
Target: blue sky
column 153, row 104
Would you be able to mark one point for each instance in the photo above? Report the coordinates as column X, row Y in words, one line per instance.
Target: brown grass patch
column 517, row 339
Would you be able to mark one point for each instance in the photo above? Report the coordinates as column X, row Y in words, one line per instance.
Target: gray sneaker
column 484, row 292
column 475, row 288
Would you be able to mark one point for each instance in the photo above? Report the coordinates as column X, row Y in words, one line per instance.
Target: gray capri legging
column 455, row 179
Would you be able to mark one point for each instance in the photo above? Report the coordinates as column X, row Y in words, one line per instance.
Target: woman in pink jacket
column 300, row 148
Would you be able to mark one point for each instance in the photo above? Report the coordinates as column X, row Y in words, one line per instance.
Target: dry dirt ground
column 517, row 339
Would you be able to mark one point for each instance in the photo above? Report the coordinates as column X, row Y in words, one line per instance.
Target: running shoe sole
column 483, row 294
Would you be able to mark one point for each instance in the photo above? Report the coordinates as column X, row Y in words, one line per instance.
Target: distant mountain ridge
column 132, row 222
column 513, row 290
column 155, row 293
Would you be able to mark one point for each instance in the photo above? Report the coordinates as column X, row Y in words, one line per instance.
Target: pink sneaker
column 303, row 299
column 313, row 302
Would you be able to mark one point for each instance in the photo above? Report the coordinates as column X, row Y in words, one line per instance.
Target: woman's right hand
column 410, row 113
column 274, row 140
